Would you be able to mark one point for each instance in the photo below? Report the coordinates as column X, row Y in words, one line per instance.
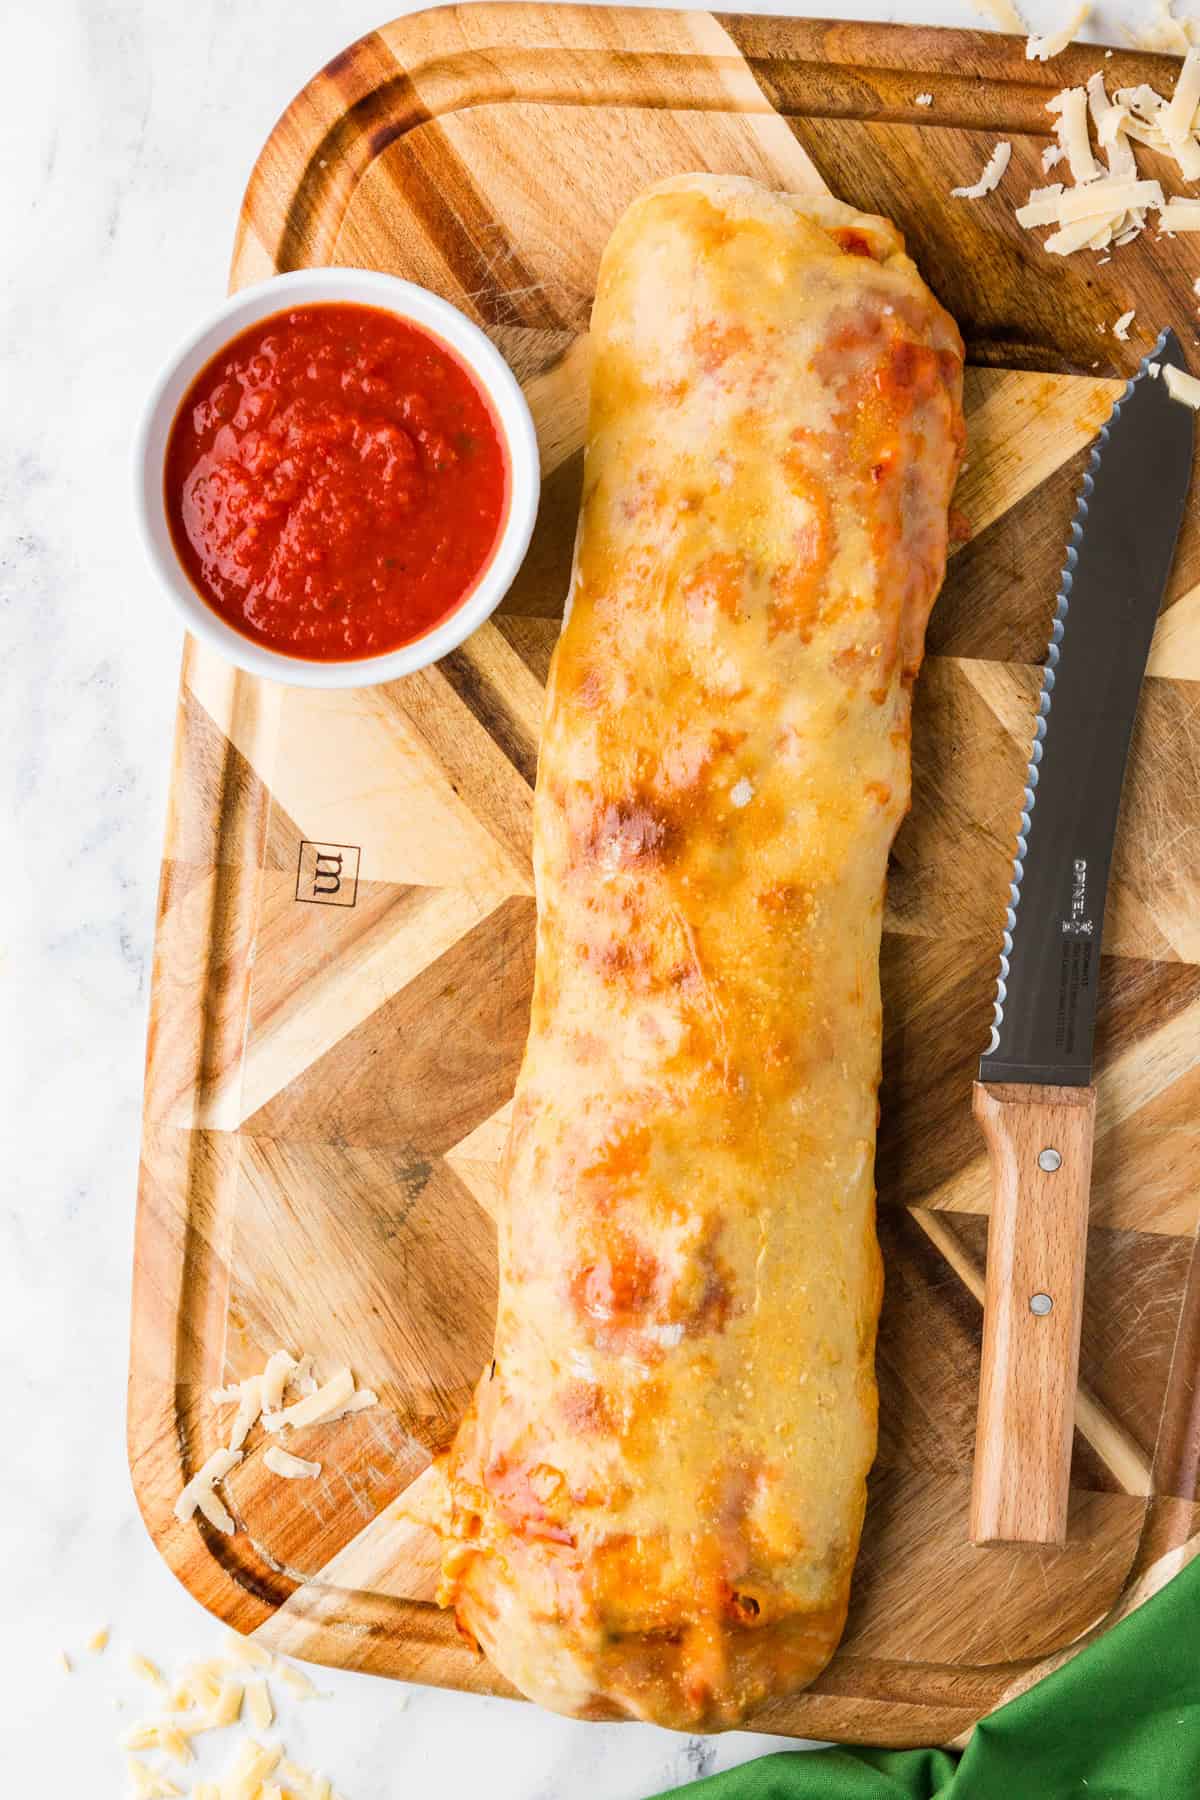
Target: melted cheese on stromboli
column 654, row 1504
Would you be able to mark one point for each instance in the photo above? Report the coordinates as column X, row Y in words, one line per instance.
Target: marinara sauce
column 336, row 482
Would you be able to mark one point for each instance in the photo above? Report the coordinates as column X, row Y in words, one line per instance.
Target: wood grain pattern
column 327, row 1085
column 1040, row 1147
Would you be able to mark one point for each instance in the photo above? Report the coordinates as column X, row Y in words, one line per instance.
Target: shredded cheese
column 249, row 1408
column 210, row 1503
column 1052, row 155
column 148, row 1784
column 991, row 177
column 228, row 1707
column 262, row 1393
column 244, row 1650
column 314, row 1409
column 204, row 1698
column 1178, row 118
column 358, row 1402
column 1137, row 130
column 145, row 1670
column 1108, row 198
column 298, row 1681
column 140, row 1773
column 1042, row 206
column 1180, row 215
column 1182, row 386
column 249, row 1769
column 1105, row 116
column 1081, row 234
column 258, row 1704
column 199, row 1686
column 170, row 1735
column 1147, row 125
column 1071, row 129
column 292, row 1468
column 278, row 1374
column 1053, row 43
column 261, row 1397
column 99, row 1640
column 1145, row 102
column 1166, row 32
column 64, row 1662
column 1108, row 120
column 174, row 1742
column 1119, row 157
column 141, row 1737
column 1115, row 202
column 301, row 1782
column 199, row 1490
column 1121, row 328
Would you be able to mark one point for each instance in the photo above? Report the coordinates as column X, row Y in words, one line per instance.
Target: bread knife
column 1034, row 1099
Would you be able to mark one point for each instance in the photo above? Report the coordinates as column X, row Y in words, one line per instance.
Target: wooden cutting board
column 345, row 931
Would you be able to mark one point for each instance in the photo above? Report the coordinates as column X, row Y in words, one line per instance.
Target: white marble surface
column 128, row 131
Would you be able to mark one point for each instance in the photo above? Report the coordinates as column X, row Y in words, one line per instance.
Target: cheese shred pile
column 991, row 177
column 1107, row 203
column 221, row 1693
column 1041, row 49
column 285, row 1394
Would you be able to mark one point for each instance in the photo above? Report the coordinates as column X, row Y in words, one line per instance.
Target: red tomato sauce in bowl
column 336, row 482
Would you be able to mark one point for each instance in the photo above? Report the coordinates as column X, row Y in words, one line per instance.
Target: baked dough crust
column 653, row 1507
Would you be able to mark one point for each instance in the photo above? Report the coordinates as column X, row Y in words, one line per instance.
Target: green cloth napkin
column 1121, row 1721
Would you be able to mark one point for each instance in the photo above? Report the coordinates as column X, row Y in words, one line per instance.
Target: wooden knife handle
column 1039, row 1143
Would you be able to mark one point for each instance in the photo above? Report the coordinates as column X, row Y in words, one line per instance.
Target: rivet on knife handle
column 1034, row 1099
column 1039, row 1140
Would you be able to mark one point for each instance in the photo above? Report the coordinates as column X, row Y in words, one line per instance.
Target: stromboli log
column 654, row 1504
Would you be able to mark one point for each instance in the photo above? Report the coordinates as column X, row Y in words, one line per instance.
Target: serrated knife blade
column 1034, row 1099
column 1127, row 518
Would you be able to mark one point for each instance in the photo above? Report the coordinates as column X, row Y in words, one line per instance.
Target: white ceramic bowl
column 406, row 301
